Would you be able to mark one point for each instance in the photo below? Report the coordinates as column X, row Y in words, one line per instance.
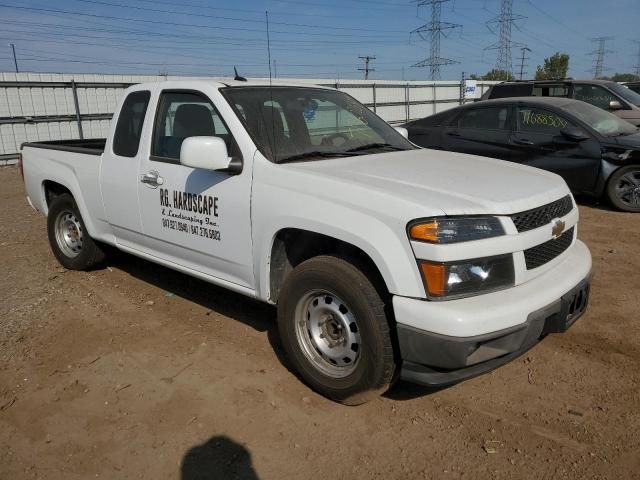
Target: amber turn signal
column 427, row 232
column 435, row 278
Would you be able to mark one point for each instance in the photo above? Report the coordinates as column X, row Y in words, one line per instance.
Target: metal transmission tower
column 432, row 32
column 505, row 22
column 637, row 65
column 366, row 68
column 523, row 61
column 599, row 54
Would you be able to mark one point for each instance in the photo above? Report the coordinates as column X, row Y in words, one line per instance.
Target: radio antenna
column 273, row 120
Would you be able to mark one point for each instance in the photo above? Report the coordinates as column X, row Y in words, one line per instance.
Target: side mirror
column 574, row 134
column 208, row 153
column 402, row 131
column 615, row 105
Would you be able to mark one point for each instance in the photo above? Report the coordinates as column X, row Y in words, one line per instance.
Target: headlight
column 454, row 230
column 467, row 277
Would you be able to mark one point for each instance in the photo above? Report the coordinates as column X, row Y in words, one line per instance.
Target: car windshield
column 626, row 93
column 601, row 121
column 307, row 123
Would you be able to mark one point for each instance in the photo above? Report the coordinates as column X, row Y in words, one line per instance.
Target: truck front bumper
column 550, row 303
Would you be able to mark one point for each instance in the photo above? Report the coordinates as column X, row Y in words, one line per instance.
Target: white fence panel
column 32, row 111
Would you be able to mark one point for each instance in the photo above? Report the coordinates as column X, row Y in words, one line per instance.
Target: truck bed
column 91, row 146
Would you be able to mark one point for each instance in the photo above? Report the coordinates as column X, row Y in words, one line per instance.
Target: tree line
column 554, row 67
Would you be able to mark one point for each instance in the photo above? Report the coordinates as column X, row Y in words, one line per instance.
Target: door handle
column 522, row 141
column 153, row 179
column 453, row 133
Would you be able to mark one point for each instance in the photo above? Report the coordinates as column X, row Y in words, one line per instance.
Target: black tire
column 354, row 299
column 623, row 188
column 76, row 250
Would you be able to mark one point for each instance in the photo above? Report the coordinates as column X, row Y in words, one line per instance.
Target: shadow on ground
column 258, row 315
column 219, row 458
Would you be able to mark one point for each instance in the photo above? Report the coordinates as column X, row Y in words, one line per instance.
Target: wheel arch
column 51, row 188
column 292, row 246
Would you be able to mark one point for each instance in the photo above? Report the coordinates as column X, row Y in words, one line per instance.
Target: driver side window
column 182, row 115
column 594, row 95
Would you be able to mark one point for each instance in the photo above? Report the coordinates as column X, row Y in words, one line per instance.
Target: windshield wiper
column 313, row 154
column 372, row 146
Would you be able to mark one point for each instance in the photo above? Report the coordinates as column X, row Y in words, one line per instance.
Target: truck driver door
column 195, row 218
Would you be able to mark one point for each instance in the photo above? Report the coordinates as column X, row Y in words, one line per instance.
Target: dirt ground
column 135, row 371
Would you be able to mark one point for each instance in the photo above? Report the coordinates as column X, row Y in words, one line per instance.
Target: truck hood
column 454, row 183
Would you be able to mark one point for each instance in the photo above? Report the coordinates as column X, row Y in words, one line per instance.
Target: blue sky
column 309, row 38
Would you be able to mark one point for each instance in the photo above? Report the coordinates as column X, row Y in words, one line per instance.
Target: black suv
column 611, row 96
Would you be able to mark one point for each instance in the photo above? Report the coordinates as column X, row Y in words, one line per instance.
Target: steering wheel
column 329, row 139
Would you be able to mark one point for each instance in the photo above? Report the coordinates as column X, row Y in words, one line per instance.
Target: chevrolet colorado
column 384, row 260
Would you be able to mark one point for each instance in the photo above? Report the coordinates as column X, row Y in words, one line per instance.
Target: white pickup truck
column 384, row 260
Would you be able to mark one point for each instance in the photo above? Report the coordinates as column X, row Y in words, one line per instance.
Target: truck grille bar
column 537, row 217
column 545, row 252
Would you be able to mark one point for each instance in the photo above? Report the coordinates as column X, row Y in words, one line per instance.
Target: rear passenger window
column 485, row 118
column 511, row 90
column 182, row 115
column 537, row 120
column 551, row 91
column 126, row 140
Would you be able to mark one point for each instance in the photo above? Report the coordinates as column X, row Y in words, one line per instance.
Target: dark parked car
column 610, row 96
column 635, row 86
column 596, row 152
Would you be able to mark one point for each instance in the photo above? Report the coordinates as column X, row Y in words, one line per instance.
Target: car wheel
column 70, row 242
column 333, row 326
column 623, row 188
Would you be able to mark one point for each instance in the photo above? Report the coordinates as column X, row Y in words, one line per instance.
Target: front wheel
column 623, row 188
column 335, row 331
column 70, row 242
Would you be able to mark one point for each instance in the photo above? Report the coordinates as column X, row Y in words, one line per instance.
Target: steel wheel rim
column 328, row 333
column 69, row 234
column 628, row 188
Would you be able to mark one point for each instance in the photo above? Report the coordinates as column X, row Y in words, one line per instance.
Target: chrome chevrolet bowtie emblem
column 557, row 228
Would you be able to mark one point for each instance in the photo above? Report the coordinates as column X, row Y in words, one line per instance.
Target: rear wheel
column 335, row 331
column 623, row 188
column 70, row 242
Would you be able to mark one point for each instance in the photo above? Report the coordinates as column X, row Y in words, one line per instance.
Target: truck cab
column 383, row 259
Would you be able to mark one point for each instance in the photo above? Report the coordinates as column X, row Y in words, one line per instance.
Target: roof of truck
column 223, row 82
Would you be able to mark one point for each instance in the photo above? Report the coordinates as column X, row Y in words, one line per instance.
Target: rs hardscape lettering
column 200, row 208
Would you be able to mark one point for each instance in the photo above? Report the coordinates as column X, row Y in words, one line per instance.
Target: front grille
column 545, row 252
column 537, row 217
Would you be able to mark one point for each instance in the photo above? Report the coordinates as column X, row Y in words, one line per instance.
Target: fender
column 66, row 174
column 389, row 248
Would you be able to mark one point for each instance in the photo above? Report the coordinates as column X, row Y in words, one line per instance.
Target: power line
column 250, row 43
column 435, row 30
column 259, row 12
column 552, row 18
column 599, row 55
column 366, row 68
column 233, row 19
column 175, row 24
column 505, row 22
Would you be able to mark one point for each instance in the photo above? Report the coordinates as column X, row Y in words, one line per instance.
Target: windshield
column 626, row 93
column 300, row 123
column 601, row 121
